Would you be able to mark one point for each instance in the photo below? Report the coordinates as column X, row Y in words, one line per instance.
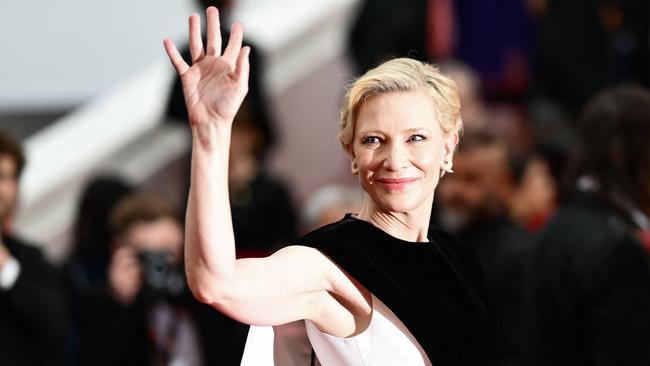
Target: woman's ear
column 353, row 160
column 353, row 165
column 451, row 141
column 448, row 148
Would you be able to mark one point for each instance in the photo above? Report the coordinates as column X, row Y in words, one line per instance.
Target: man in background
column 147, row 316
column 32, row 301
column 473, row 204
column 588, row 290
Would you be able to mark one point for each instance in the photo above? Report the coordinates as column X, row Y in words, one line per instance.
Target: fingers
column 125, row 257
column 125, row 277
column 175, row 57
column 214, row 32
column 243, row 65
column 196, row 42
column 234, row 44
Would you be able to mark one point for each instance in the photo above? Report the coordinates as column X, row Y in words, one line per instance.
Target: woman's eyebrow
column 417, row 129
column 365, row 132
column 380, row 132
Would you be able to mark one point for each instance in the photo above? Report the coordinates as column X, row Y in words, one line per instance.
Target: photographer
column 146, row 316
column 148, row 242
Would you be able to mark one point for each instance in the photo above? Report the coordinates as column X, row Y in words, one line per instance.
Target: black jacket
column 32, row 311
column 588, row 299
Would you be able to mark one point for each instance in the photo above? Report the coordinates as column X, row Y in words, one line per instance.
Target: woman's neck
column 410, row 226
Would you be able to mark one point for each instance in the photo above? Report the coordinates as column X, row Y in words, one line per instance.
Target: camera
column 161, row 277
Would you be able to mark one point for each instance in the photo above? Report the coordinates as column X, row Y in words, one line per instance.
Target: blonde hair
column 401, row 75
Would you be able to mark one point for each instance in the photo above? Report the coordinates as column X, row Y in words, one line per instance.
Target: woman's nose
column 395, row 158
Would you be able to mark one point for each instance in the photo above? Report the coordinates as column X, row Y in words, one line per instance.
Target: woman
column 400, row 132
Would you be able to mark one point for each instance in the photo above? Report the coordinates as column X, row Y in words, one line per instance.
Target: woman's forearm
column 209, row 238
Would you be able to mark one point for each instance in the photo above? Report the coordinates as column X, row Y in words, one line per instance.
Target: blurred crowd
column 551, row 187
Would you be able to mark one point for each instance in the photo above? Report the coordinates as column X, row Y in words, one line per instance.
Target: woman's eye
column 369, row 140
column 416, row 138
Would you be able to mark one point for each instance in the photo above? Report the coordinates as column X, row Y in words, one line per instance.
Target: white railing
column 297, row 38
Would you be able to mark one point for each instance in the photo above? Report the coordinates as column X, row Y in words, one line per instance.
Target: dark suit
column 589, row 291
column 32, row 311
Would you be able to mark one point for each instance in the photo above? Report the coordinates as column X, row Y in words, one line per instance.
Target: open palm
column 216, row 84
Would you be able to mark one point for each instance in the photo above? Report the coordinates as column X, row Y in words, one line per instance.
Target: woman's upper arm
column 284, row 287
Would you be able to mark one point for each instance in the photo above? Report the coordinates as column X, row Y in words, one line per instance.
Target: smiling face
column 398, row 150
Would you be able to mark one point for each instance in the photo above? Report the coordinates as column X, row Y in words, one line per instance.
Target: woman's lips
column 395, row 184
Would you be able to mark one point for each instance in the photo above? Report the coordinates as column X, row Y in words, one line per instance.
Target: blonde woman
column 377, row 287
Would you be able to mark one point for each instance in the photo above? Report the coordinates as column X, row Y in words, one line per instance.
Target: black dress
column 436, row 289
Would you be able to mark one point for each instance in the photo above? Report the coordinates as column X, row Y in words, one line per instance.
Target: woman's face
column 398, row 150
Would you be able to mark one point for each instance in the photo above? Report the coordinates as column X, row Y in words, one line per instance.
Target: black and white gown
column 429, row 305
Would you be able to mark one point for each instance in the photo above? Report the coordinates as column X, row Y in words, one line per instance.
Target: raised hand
column 216, row 84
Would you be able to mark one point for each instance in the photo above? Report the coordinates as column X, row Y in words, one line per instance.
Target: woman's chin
column 399, row 204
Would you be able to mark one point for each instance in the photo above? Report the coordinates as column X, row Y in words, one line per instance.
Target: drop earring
column 445, row 168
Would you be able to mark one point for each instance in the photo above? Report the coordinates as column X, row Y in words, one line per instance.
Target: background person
column 147, row 315
column 589, row 290
column 87, row 266
column 32, row 298
column 473, row 204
